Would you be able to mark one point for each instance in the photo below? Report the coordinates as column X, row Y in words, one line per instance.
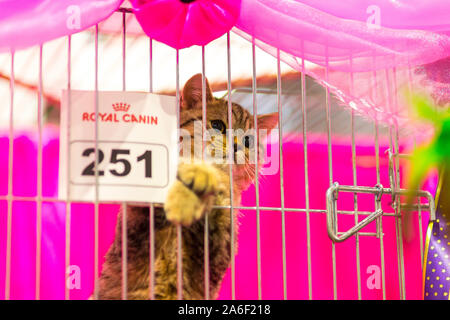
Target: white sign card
column 137, row 146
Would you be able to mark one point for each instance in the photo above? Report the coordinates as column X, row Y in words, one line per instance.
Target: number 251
column 115, row 153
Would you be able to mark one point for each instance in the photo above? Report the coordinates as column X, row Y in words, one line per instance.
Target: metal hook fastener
column 332, row 212
column 379, row 186
column 391, row 175
column 378, row 191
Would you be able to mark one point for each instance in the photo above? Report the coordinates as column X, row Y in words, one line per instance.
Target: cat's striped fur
column 198, row 187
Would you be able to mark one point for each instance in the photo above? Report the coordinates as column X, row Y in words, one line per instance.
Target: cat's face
column 244, row 149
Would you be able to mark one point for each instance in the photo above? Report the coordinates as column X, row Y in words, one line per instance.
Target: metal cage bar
column 398, row 203
column 262, row 208
column 152, row 252
column 377, row 169
column 179, row 227
column 152, row 207
column 280, row 142
column 68, row 200
column 355, row 183
column 124, row 205
column 206, row 227
column 380, row 220
column 258, row 213
column 96, row 164
column 330, row 166
column 306, row 173
column 39, row 182
column 10, row 185
column 230, row 157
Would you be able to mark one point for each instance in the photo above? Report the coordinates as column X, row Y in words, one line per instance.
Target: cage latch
column 378, row 191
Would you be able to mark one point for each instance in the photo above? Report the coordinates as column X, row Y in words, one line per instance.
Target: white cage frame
column 378, row 190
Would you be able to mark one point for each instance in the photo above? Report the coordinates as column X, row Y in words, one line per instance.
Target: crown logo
column 121, row 106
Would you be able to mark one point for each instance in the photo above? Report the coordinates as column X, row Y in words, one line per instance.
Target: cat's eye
column 248, row 141
column 218, row 125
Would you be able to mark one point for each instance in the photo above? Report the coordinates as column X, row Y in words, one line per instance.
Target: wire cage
column 337, row 171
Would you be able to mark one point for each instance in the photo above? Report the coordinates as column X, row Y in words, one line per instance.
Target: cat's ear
column 268, row 121
column 192, row 92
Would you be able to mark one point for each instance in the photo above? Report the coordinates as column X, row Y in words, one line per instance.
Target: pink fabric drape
column 341, row 43
column 183, row 24
column 25, row 23
column 367, row 52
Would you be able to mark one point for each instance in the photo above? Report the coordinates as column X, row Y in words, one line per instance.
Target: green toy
column 437, row 152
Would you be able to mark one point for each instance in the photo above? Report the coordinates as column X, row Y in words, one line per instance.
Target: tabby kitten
column 199, row 186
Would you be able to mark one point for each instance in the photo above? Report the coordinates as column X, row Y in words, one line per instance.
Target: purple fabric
column 25, row 23
column 181, row 25
column 437, row 261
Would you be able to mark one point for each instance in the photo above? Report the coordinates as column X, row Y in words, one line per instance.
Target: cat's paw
column 192, row 193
